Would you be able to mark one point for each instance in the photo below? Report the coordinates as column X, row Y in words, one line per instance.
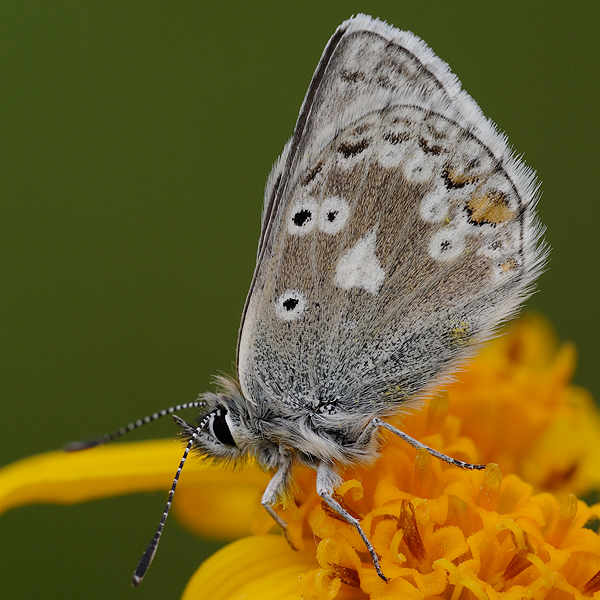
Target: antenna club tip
column 136, row 580
column 82, row 445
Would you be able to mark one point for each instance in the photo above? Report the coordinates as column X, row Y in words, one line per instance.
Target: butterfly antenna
column 148, row 556
column 109, row 437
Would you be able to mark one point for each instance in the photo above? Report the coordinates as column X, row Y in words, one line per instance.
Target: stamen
column 345, row 575
column 422, row 474
column 408, row 523
column 593, row 585
column 564, row 519
column 333, row 514
column 490, row 487
column 517, row 565
column 520, row 561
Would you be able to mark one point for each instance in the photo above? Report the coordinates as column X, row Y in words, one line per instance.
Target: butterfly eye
column 219, row 428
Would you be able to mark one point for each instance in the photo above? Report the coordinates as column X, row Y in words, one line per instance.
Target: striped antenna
column 148, row 555
column 109, row 437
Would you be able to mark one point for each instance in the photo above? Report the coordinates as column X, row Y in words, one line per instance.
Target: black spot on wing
column 311, row 174
column 349, row 149
column 351, row 76
column 290, row 303
column 429, row 148
column 396, row 138
column 302, row 217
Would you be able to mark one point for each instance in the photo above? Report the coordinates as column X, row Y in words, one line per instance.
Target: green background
column 135, row 140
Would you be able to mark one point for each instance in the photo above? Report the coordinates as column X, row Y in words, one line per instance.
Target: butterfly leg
column 273, row 493
column 327, row 481
column 419, row 445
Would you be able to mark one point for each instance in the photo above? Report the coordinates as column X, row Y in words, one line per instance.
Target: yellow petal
column 228, row 508
column 105, row 471
column 261, row 567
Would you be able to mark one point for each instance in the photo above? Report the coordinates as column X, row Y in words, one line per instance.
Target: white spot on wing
column 447, row 244
column 434, row 206
column 500, row 244
column 360, row 267
column 290, row 305
column 418, row 167
column 333, row 215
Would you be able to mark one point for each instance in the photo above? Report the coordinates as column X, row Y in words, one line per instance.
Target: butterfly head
column 229, row 430
column 233, row 429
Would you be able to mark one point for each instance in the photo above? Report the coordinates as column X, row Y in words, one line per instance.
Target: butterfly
column 398, row 232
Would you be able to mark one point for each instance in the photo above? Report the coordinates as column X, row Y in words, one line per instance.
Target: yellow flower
column 441, row 532
column 516, row 403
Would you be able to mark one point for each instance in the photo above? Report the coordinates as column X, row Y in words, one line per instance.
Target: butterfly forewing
column 394, row 234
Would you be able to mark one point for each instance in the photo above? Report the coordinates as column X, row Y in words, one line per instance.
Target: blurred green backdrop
column 135, row 140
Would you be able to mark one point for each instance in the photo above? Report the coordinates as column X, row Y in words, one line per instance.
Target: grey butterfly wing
column 398, row 231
